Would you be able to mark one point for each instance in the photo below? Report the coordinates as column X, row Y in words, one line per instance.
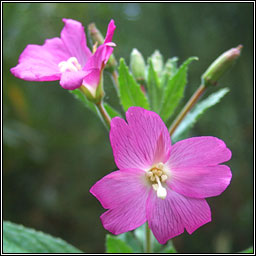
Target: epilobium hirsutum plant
column 160, row 183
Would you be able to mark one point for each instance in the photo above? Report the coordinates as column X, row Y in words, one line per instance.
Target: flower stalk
column 103, row 114
column 148, row 248
column 195, row 97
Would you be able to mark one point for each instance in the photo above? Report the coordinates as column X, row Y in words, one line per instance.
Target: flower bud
column 220, row 66
column 95, row 34
column 137, row 65
column 158, row 62
column 169, row 70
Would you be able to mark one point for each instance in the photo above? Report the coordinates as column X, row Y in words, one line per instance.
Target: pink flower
column 159, row 183
column 67, row 58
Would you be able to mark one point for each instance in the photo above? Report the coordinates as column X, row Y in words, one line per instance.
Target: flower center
column 156, row 176
column 71, row 64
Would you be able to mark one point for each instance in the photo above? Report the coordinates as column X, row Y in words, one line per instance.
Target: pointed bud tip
column 137, row 64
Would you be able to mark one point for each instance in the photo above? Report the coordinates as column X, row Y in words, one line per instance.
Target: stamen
column 94, row 48
column 157, row 174
column 155, row 186
column 160, row 166
column 164, row 178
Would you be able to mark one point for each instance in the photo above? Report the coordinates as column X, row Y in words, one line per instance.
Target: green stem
column 148, row 240
column 103, row 114
column 195, row 97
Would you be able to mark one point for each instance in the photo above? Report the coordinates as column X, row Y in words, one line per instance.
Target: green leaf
column 81, row 97
column 116, row 245
column 111, row 111
column 169, row 248
column 174, row 90
column 199, row 109
column 249, row 250
column 19, row 239
column 130, row 92
column 153, row 87
column 130, row 239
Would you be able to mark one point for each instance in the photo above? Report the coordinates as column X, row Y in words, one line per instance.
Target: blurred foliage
column 55, row 149
column 19, row 239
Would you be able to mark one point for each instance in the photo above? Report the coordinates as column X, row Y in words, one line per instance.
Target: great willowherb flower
column 67, row 59
column 157, row 182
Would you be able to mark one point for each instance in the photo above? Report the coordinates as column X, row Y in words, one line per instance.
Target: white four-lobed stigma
column 71, row 64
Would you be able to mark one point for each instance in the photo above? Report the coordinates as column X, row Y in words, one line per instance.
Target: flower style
column 67, row 59
column 157, row 182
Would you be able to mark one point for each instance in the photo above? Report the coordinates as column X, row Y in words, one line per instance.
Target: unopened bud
column 223, row 63
column 158, row 62
column 137, row 65
column 95, row 34
column 169, row 70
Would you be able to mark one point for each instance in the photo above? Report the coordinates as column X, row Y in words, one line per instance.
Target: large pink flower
column 159, row 183
column 67, row 58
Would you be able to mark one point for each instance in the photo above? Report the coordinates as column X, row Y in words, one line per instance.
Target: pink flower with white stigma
column 67, row 59
column 157, row 182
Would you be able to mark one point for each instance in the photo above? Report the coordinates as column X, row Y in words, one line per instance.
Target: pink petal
column 72, row 80
column 198, row 151
column 168, row 217
column 99, row 58
column 73, row 36
column 40, row 62
column 92, row 80
column 110, row 31
column 142, row 142
column 125, row 194
column 200, row 182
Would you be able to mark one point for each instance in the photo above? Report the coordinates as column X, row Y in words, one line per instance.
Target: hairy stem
column 195, row 97
column 103, row 114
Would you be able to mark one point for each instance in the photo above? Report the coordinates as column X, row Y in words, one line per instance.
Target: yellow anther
column 152, row 178
column 155, row 186
column 94, row 48
column 159, row 173
column 164, row 178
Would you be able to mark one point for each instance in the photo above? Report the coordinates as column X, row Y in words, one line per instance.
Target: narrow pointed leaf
column 174, row 90
column 198, row 110
column 130, row 92
column 153, row 87
column 130, row 239
column 111, row 111
column 116, row 245
column 19, row 239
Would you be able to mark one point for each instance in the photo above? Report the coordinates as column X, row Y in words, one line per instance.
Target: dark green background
column 54, row 150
